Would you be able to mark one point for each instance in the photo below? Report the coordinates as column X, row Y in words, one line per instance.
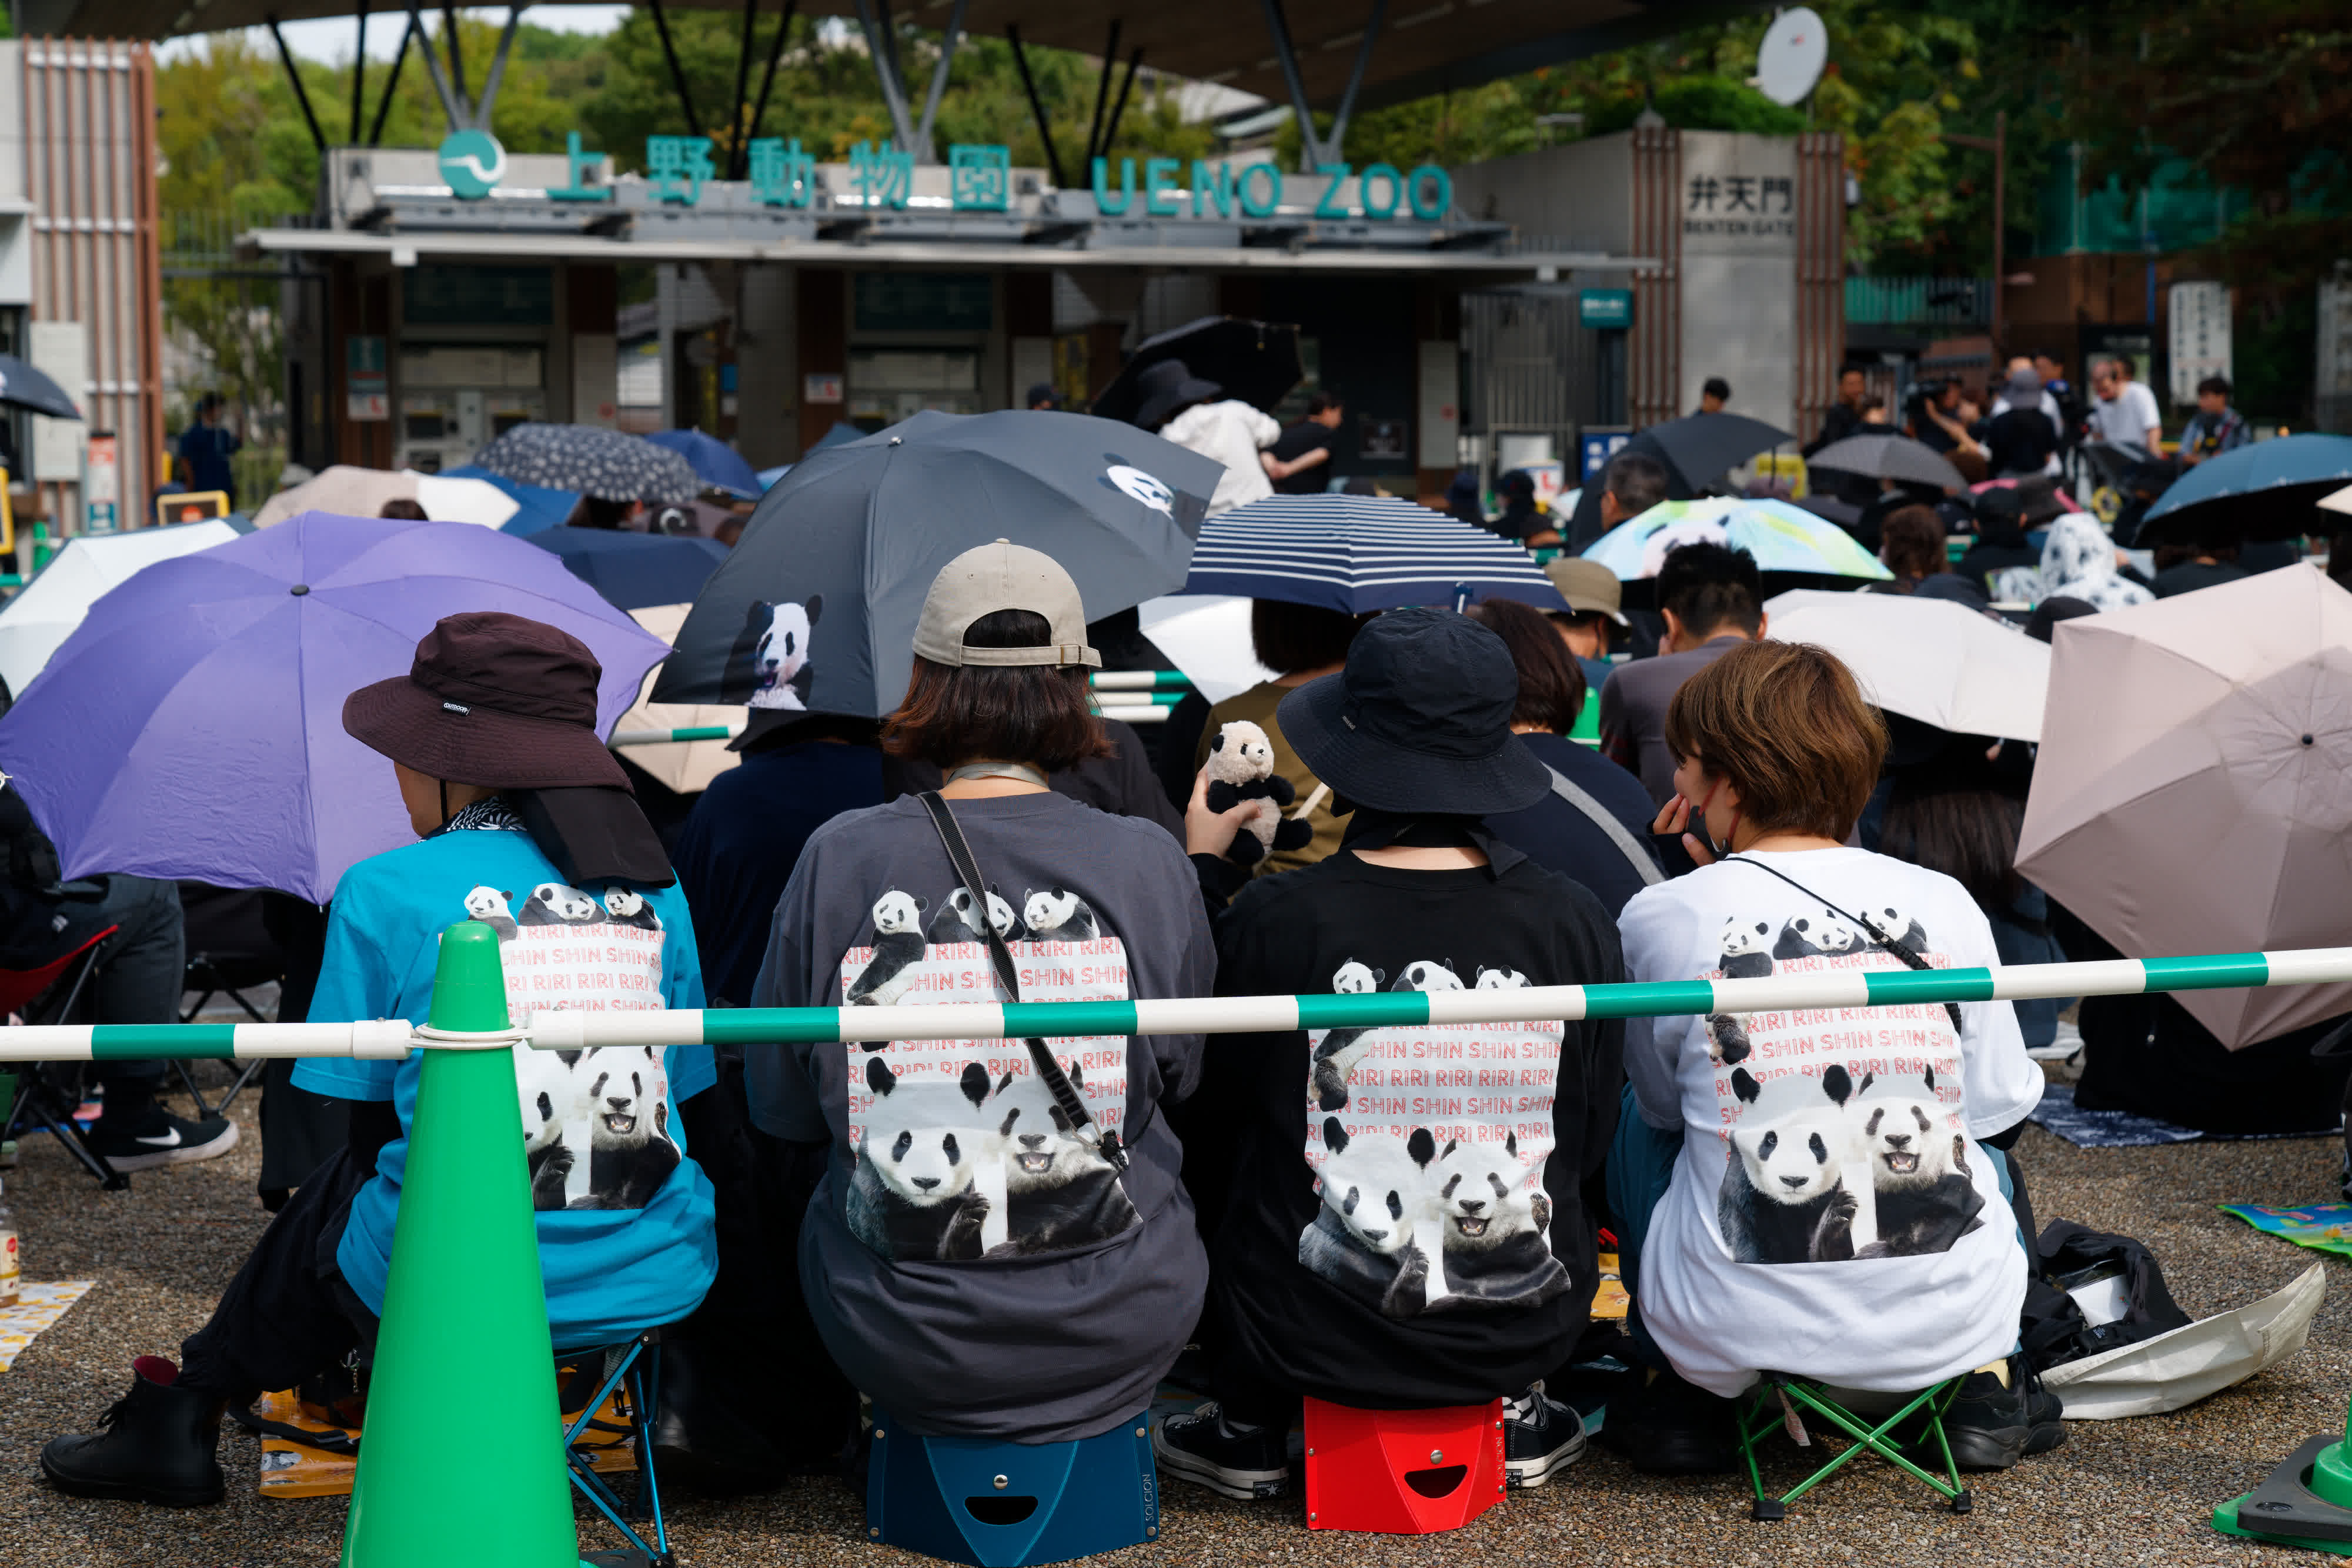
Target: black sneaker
column 146, row 1139
column 1989, row 1426
column 1674, row 1429
column 1203, row 1450
column 2044, row 1411
column 1541, row 1435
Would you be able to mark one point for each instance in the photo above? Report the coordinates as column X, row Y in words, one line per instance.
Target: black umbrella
column 610, row 464
column 1256, row 361
column 816, row 610
column 24, row 387
column 1889, row 456
column 1703, row 447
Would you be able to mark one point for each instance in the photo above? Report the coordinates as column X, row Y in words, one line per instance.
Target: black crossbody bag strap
column 1008, row 975
column 1879, row 939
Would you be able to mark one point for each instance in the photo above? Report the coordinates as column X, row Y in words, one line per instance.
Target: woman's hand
column 1208, row 832
column 1674, row 817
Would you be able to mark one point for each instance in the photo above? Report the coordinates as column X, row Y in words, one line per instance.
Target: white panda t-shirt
column 1830, row 1215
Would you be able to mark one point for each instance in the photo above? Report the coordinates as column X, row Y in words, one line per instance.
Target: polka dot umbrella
column 610, row 464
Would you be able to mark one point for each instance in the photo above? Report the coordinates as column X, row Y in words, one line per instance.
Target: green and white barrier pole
column 1208, row 1015
column 384, row 1040
column 664, row 736
column 1390, row 1009
column 464, row 1352
column 1174, row 681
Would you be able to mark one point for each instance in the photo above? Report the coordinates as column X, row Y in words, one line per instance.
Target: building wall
column 78, row 248
column 1747, row 235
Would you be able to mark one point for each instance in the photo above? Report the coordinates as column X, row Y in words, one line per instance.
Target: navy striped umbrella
column 1359, row 553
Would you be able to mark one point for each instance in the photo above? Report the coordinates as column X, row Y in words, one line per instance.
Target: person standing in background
column 1845, row 416
column 2126, row 414
column 1302, row 458
column 205, row 447
column 1197, row 415
column 1041, row 397
column 1714, row 395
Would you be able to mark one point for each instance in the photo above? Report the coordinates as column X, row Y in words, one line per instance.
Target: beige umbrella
column 688, row 765
column 348, row 491
column 2193, row 792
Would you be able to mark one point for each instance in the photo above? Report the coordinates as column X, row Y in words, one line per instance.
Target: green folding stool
column 1780, row 1401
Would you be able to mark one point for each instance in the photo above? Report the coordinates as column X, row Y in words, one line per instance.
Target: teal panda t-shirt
column 625, row 1218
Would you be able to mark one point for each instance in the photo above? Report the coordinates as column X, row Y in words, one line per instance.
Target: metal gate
column 1528, row 368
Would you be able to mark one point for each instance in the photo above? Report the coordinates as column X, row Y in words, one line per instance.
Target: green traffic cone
column 2305, row 1500
column 465, row 1321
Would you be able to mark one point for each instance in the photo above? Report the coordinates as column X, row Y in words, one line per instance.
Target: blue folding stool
column 1007, row 1505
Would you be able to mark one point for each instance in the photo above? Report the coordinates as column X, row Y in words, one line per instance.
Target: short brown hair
column 1036, row 713
column 1552, row 684
column 1912, row 541
column 1786, row 725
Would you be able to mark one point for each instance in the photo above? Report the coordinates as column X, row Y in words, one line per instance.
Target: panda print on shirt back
column 961, row 1151
column 1842, row 1126
column 1428, row 1144
column 596, row 1124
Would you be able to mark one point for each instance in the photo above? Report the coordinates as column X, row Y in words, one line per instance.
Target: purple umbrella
column 191, row 727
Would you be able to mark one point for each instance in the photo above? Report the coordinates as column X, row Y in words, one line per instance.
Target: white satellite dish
column 1796, row 47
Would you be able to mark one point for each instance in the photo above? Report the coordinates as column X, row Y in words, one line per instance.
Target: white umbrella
column 2338, row 500
column 1928, row 659
column 36, row 624
column 353, row 492
column 686, row 765
column 1207, row 636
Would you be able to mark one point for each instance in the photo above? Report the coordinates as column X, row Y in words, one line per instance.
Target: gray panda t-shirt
column 1831, row 1214
column 972, row 1269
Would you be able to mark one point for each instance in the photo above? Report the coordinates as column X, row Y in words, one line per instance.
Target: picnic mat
column 37, row 1306
column 2321, row 1227
column 2123, row 1130
column 289, row 1468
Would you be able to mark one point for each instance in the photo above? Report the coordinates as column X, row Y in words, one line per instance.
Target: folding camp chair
column 1775, row 1401
column 632, row 1367
column 230, row 951
column 46, row 1093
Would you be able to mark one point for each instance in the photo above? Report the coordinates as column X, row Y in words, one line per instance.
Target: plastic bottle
column 9, row 1276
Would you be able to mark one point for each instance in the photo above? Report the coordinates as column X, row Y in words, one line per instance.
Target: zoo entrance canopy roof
column 1422, row 47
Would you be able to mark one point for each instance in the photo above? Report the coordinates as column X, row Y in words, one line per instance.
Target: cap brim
column 1371, row 771
column 1588, row 607
column 482, row 746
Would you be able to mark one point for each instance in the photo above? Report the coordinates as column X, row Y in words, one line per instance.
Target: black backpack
column 2053, row 1328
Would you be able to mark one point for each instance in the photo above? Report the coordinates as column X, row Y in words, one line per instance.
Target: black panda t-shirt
column 1395, row 1214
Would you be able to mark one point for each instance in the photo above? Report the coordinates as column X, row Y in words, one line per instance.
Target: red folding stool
column 1402, row 1472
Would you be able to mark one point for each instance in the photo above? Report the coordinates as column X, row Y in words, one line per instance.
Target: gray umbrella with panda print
column 610, row 464
column 814, row 610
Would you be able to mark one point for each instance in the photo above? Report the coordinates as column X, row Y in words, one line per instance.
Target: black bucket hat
column 492, row 699
column 509, row 704
column 1166, row 386
column 1418, row 721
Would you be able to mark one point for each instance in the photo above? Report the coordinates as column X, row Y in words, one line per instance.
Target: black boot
column 702, row 1442
column 157, row 1446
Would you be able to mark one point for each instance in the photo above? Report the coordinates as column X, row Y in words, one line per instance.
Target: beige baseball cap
column 1004, row 576
column 1587, row 585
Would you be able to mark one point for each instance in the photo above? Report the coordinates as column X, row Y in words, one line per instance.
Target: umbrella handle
column 1461, row 593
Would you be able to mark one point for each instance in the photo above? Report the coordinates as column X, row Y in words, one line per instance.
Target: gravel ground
column 2118, row 1492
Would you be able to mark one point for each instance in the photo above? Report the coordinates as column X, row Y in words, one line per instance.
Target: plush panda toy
column 1241, row 767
